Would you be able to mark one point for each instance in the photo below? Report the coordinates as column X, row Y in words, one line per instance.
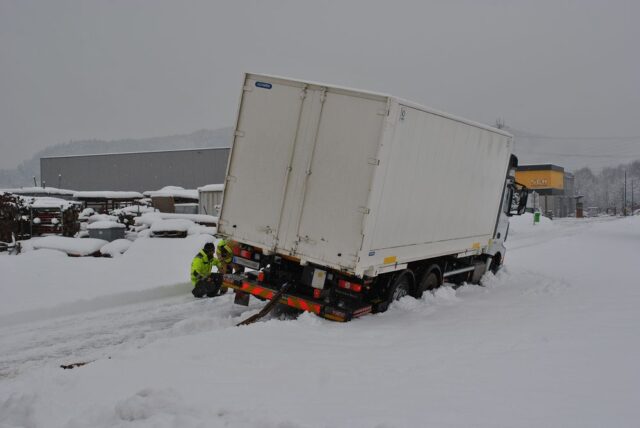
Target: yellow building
column 544, row 179
column 553, row 187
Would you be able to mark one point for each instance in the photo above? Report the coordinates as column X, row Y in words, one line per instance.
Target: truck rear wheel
column 431, row 279
column 400, row 285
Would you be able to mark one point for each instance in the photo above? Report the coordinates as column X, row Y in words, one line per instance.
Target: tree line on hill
column 606, row 188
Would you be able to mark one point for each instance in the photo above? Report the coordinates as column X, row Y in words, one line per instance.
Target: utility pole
column 625, row 193
column 632, row 197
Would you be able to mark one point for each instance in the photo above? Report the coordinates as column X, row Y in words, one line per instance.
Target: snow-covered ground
column 552, row 340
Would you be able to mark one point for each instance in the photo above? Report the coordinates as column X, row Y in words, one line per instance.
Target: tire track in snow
column 96, row 335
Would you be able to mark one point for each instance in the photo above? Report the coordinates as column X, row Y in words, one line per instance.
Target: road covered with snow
column 552, row 340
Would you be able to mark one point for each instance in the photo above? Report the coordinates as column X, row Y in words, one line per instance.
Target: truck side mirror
column 522, row 203
column 518, row 196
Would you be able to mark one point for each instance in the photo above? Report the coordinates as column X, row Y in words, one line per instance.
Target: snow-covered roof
column 107, row 194
column 135, row 153
column 150, row 218
column 174, row 191
column 38, row 190
column 211, row 188
column 48, row 202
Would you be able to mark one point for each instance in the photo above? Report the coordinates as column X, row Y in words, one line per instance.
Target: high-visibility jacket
column 228, row 257
column 201, row 266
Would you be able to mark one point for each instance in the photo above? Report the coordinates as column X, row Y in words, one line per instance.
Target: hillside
column 24, row 173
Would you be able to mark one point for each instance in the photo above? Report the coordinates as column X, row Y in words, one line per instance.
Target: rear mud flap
column 241, row 298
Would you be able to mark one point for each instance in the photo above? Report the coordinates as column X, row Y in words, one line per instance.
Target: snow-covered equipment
column 359, row 198
column 107, row 230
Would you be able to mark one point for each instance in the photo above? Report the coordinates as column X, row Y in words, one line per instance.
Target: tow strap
column 268, row 307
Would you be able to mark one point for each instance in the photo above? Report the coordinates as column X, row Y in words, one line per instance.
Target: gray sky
column 73, row 70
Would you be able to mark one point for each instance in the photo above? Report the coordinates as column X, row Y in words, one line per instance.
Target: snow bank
column 27, row 288
column 134, row 209
column 105, row 224
column 116, row 248
column 552, row 340
column 523, row 224
column 86, row 213
column 71, row 246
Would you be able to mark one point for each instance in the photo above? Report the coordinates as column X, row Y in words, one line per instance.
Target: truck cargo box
column 358, row 181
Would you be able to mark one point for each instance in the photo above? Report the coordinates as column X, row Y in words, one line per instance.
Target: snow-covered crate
column 107, row 230
column 173, row 228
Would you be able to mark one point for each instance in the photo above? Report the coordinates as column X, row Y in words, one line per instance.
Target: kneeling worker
column 205, row 282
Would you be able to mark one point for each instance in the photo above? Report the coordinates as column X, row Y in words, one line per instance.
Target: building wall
column 136, row 171
column 555, row 204
column 541, row 179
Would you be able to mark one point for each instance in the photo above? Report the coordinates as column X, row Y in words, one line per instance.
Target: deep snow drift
column 552, row 340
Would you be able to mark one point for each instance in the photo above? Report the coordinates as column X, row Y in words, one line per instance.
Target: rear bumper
column 241, row 283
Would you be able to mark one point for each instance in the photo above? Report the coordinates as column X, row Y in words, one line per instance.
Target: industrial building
column 553, row 189
column 138, row 171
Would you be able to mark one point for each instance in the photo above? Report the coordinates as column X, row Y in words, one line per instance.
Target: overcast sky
column 73, row 70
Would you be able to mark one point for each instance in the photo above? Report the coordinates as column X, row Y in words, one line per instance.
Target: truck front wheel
column 496, row 263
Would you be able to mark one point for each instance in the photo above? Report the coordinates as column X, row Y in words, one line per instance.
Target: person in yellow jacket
column 224, row 254
column 204, row 281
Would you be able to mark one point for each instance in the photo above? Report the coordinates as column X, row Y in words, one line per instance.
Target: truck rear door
column 338, row 181
column 301, row 169
column 258, row 170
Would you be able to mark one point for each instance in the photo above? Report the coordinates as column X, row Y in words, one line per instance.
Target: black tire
column 400, row 285
column 496, row 263
column 430, row 280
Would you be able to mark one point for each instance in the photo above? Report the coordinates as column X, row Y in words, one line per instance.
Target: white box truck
column 354, row 199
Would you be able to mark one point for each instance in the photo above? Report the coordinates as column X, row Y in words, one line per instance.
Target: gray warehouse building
column 136, row 171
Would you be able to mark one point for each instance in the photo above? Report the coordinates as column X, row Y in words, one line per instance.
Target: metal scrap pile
column 12, row 221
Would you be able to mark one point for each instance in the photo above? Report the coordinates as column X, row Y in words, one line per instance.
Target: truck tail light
column 236, row 251
column 245, row 253
column 350, row 285
column 260, row 276
column 317, row 293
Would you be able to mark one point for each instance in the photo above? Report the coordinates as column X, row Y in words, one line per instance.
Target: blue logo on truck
column 264, row 85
